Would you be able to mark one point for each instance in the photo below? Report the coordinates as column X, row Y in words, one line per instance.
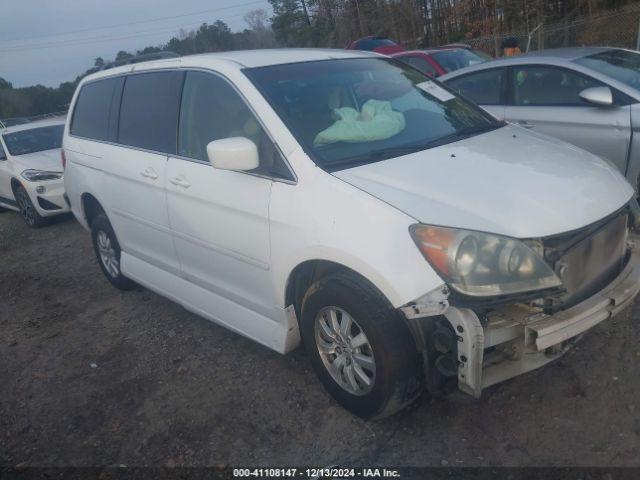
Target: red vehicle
column 375, row 43
column 438, row 61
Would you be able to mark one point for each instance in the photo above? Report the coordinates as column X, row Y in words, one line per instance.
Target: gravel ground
column 93, row 376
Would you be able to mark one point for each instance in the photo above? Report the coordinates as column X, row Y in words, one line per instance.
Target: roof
column 427, row 51
column 552, row 55
column 243, row 59
column 35, row 124
column 568, row 53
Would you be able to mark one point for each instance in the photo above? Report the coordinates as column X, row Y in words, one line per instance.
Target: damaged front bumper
column 514, row 339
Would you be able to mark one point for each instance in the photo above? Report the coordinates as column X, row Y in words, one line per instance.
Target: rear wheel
column 108, row 252
column 27, row 211
column 360, row 347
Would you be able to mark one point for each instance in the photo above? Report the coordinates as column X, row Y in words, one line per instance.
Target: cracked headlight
column 40, row 175
column 483, row 264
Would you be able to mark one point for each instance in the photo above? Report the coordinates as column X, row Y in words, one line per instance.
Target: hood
column 507, row 181
column 46, row 160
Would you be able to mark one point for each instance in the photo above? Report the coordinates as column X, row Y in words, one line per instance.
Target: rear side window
column 91, row 114
column 149, row 111
column 483, row 88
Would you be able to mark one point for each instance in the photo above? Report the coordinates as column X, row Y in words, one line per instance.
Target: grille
column 588, row 260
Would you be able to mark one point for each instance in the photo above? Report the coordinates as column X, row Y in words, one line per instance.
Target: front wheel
column 108, row 252
column 360, row 347
column 27, row 211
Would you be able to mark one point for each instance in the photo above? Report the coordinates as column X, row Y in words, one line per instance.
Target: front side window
column 90, row 118
column 34, row 140
column 452, row 60
column 357, row 111
column 3, row 155
column 419, row 63
column 621, row 65
column 212, row 110
column 149, row 111
column 535, row 85
column 483, row 88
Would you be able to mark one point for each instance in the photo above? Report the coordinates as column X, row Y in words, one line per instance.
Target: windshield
column 34, row 140
column 357, row 111
column 452, row 60
column 621, row 65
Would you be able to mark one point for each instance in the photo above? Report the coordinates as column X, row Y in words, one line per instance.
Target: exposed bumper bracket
column 433, row 303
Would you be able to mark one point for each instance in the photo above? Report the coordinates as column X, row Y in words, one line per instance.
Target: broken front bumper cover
column 516, row 339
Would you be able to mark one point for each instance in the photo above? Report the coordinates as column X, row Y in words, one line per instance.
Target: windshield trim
column 344, row 164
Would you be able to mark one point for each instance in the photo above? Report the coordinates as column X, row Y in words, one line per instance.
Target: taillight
column 64, row 159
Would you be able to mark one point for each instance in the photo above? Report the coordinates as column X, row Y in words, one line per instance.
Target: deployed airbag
column 376, row 121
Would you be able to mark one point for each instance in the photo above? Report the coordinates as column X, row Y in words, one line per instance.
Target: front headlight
column 40, row 175
column 483, row 264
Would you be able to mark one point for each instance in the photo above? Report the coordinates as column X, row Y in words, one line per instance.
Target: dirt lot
column 93, row 376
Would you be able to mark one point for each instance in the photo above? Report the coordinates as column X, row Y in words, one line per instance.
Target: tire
column 27, row 211
column 107, row 249
column 395, row 377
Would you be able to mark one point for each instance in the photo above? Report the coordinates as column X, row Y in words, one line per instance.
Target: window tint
column 419, row 63
column 149, row 111
column 212, row 110
column 91, row 114
column 483, row 88
column 544, row 86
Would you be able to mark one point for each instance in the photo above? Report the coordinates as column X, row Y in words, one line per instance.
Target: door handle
column 149, row 173
column 180, row 181
column 525, row 124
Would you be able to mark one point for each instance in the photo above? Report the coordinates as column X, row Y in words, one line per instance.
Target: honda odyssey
column 347, row 201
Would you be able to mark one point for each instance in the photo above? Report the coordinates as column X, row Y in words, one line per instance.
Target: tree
column 122, row 55
column 5, row 85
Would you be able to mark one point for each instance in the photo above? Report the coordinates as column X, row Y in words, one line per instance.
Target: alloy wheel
column 108, row 255
column 26, row 208
column 345, row 350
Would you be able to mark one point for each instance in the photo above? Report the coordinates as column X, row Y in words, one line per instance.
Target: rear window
column 149, row 111
column 91, row 114
column 371, row 43
column 34, row 140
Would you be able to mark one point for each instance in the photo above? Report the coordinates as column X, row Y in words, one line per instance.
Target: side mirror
column 234, row 153
column 600, row 96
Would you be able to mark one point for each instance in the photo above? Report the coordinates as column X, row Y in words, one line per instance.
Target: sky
column 52, row 41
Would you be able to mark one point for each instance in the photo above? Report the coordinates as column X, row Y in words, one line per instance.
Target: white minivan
column 342, row 199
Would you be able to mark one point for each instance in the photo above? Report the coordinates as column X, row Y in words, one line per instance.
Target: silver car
column 586, row 96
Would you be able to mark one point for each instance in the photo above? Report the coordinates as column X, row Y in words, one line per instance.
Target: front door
column 220, row 218
column 546, row 100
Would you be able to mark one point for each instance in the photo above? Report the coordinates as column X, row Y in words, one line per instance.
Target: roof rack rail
column 140, row 58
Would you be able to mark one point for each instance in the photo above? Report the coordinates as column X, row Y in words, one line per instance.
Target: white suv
column 31, row 170
column 339, row 197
